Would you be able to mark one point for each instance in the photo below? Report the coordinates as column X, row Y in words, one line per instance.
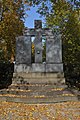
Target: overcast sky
column 32, row 15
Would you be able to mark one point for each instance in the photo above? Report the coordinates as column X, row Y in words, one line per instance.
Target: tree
column 11, row 25
column 67, row 20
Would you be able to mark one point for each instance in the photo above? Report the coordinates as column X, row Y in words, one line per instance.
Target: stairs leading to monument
column 27, row 88
column 38, row 78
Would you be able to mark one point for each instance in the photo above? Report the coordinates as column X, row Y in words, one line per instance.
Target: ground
column 56, row 111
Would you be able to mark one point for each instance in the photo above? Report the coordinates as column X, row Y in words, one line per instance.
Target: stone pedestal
column 55, row 79
column 39, row 67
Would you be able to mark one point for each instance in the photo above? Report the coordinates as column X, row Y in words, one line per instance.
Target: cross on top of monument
column 37, row 30
column 38, row 24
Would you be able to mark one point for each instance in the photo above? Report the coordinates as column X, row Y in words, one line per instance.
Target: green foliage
column 71, row 41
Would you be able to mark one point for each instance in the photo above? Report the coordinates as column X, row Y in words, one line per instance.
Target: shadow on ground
column 6, row 74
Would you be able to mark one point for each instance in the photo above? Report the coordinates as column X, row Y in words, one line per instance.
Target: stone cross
column 38, row 42
column 53, row 43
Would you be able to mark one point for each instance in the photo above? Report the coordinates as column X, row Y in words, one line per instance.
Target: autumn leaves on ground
column 57, row 111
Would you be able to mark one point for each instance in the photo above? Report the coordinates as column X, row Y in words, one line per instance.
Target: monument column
column 53, row 48
column 23, row 50
column 38, row 41
column 53, row 52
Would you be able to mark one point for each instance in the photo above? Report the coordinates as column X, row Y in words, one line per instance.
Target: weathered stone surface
column 29, row 31
column 22, row 68
column 54, row 67
column 39, row 75
column 53, row 49
column 48, row 32
column 38, row 24
column 38, row 48
column 38, row 67
column 23, row 50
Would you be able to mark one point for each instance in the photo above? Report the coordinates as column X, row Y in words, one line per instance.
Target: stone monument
column 53, row 64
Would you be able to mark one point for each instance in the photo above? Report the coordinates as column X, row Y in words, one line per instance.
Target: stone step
column 55, row 81
column 36, row 86
column 37, row 99
column 42, row 92
column 37, row 93
column 38, row 75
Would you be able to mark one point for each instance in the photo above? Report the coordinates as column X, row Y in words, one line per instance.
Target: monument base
column 38, row 74
column 38, row 67
column 38, row 78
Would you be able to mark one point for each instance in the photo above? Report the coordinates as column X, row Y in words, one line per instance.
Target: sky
column 32, row 15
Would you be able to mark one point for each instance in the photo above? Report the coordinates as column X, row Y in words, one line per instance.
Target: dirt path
column 57, row 111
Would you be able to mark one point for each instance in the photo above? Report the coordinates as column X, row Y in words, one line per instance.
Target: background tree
column 11, row 25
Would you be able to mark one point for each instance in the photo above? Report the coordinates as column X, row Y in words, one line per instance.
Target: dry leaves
column 57, row 111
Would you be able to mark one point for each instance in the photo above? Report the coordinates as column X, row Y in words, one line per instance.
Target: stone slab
column 53, row 49
column 38, row 100
column 38, row 24
column 55, row 81
column 38, row 47
column 23, row 50
column 38, row 67
column 39, row 75
column 38, row 87
column 22, row 68
column 54, row 67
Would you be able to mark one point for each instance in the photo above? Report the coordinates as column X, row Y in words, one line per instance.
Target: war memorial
column 38, row 81
column 51, row 68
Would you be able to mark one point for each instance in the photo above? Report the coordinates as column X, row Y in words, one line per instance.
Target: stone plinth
column 56, row 79
column 38, row 67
